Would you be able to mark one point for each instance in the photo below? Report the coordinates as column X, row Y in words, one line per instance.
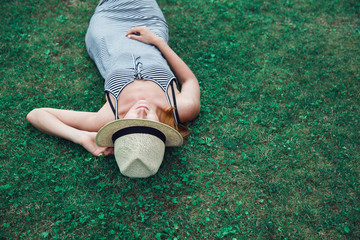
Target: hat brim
column 104, row 135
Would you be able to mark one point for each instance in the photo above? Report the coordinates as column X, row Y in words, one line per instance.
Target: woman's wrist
column 159, row 42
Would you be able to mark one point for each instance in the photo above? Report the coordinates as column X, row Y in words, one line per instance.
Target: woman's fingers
column 135, row 37
column 109, row 151
column 142, row 34
column 136, row 31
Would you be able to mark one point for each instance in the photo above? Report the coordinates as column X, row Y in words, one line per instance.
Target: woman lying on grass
column 127, row 40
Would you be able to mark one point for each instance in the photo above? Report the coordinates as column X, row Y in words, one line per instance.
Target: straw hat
column 139, row 144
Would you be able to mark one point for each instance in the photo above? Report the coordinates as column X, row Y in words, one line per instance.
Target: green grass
column 274, row 153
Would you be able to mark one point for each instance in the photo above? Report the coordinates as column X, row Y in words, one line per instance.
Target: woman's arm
column 188, row 101
column 78, row 127
column 189, row 98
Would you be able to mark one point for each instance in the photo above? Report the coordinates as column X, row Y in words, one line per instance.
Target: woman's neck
column 142, row 90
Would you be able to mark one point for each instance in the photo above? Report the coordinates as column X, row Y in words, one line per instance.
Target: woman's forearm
column 178, row 66
column 66, row 124
column 50, row 124
column 180, row 69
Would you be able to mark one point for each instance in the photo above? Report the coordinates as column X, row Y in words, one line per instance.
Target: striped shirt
column 119, row 59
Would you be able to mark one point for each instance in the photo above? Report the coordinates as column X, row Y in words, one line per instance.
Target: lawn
column 274, row 153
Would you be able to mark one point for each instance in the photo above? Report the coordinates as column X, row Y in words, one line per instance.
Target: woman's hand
column 144, row 34
column 87, row 140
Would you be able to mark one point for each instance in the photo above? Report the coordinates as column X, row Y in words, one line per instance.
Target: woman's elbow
column 193, row 110
column 30, row 115
column 33, row 115
column 197, row 108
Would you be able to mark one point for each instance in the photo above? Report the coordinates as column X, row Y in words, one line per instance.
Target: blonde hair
column 167, row 117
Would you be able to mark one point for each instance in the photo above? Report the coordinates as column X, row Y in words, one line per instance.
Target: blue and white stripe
column 119, row 59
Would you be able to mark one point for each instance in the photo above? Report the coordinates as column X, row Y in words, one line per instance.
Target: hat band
column 139, row 129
